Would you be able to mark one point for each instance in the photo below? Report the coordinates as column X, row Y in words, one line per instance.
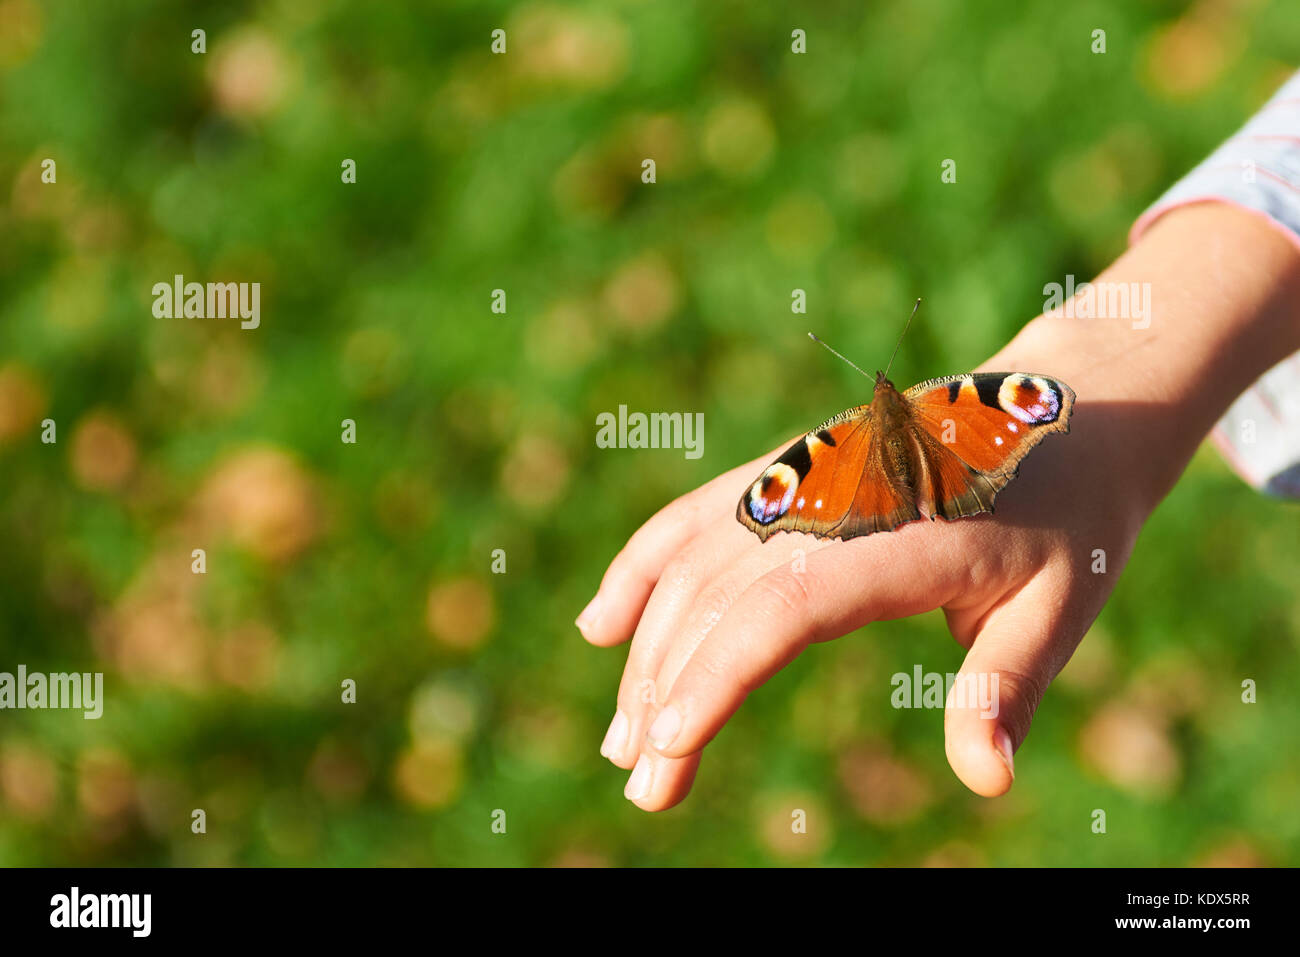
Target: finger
column 832, row 591
column 611, row 616
column 690, row 609
column 658, row 783
column 684, row 579
column 1020, row 647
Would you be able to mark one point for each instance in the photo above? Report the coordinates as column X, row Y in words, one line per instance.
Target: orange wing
column 831, row 483
column 975, row 430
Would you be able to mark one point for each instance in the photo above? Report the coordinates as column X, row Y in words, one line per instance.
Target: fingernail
column 1002, row 744
column 590, row 615
column 616, row 736
column 665, row 727
column 638, row 785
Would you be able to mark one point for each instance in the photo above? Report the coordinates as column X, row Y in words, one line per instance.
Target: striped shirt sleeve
column 1257, row 170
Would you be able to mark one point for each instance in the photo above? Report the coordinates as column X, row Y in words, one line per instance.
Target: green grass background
column 476, row 430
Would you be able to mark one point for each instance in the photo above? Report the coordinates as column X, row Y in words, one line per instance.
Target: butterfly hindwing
column 951, row 488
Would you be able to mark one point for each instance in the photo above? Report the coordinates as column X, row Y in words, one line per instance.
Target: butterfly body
column 941, row 449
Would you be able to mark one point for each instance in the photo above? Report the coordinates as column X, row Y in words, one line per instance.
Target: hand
column 715, row 613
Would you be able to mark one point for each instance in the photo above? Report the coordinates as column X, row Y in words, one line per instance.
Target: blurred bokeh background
column 475, row 430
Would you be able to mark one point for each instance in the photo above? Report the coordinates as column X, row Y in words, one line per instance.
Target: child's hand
column 715, row 613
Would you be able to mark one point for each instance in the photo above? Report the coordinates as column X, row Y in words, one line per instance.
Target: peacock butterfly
column 943, row 448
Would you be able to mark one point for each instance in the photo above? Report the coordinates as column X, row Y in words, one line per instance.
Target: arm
column 1225, row 294
column 714, row 613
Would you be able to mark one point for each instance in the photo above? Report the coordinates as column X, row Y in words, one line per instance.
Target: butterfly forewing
column 813, row 483
column 990, row 420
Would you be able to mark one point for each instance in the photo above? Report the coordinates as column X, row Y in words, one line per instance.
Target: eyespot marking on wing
column 1031, row 399
column 769, row 498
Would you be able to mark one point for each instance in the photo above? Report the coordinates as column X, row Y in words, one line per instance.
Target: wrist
column 1205, row 306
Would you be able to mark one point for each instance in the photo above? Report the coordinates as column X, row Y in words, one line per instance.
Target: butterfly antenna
column 900, row 338
column 833, row 352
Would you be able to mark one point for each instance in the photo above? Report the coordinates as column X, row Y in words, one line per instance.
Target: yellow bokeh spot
column 1130, row 747
column 643, row 293
column 28, row 780
column 800, row 227
column 536, row 472
column 460, row 613
column 263, row 500
column 1188, row 56
column 250, row 74
column 22, row 401
column 739, row 139
column 103, row 452
column 429, row 774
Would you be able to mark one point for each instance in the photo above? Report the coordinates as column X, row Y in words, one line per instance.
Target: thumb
column 1019, row 649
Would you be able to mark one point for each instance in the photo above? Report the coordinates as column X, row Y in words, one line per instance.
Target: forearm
column 1224, row 308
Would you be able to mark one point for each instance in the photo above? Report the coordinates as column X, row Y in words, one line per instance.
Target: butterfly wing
column 973, row 431
column 961, row 441
column 831, row 483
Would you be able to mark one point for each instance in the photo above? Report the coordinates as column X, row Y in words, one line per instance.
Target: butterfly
column 941, row 449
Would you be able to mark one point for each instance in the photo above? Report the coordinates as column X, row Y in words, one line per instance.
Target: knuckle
column 682, row 571
column 1024, row 692
column 712, row 667
column 733, row 672
column 785, row 592
column 711, row 604
column 686, row 569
